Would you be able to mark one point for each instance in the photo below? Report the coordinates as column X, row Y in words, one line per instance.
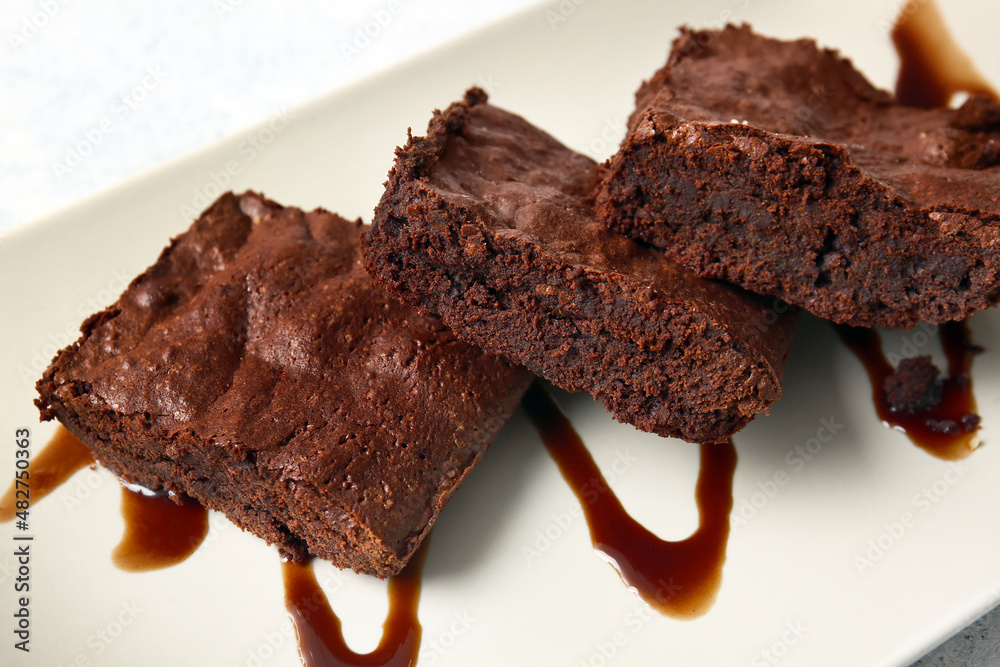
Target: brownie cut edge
column 777, row 166
column 487, row 222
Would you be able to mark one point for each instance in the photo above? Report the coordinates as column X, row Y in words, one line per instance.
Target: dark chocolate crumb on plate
column 914, row 386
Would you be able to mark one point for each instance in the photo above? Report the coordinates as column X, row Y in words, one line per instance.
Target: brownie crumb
column 914, row 386
column 943, row 426
column 967, row 424
column 970, row 422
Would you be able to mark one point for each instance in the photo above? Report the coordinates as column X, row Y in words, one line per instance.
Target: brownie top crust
column 259, row 336
column 534, row 188
column 942, row 160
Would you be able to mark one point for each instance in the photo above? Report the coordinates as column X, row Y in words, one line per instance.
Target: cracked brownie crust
column 256, row 368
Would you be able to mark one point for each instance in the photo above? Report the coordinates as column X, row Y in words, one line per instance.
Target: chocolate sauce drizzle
column 932, row 67
column 679, row 579
column 321, row 640
column 49, row 469
column 925, row 427
column 158, row 532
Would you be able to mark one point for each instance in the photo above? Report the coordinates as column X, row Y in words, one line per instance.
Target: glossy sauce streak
column 49, row 468
column 679, row 579
column 957, row 398
column 158, row 532
column 321, row 641
column 932, row 67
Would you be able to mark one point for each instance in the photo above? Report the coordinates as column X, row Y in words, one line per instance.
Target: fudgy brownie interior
column 487, row 222
column 777, row 166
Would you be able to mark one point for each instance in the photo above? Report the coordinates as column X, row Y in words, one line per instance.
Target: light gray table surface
column 132, row 85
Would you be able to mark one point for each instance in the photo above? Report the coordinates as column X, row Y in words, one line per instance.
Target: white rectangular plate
column 511, row 578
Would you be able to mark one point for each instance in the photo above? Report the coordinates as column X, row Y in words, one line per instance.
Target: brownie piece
column 914, row 386
column 258, row 369
column 777, row 166
column 487, row 223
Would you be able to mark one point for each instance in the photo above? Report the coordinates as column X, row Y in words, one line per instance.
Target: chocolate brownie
column 487, row 223
column 258, row 369
column 777, row 166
